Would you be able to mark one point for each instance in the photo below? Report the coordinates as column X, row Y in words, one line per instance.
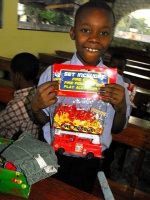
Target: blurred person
column 17, row 116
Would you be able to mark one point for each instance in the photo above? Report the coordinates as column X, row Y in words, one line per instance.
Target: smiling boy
column 93, row 33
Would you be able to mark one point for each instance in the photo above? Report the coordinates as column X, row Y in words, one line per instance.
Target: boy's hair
column 94, row 4
column 26, row 64
column 119, row 56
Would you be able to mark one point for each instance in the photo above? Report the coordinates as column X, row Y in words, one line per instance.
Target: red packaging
column 77, row 124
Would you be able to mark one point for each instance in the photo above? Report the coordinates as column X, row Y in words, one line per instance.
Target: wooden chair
column 49, row 59
column 64, row 54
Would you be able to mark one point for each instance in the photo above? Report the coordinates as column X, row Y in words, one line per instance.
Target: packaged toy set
column 79, row 114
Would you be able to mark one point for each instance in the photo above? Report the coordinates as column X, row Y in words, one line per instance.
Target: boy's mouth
column 90, row 49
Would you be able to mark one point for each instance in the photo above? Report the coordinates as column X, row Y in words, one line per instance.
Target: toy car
column 76, row 143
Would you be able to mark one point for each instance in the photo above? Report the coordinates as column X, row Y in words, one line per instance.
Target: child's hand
column 44, row 96
column 115, row 95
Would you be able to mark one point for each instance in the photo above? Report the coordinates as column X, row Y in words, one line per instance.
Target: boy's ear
column 72, row 33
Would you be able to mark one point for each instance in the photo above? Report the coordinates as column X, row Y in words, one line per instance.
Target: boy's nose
column 94, row 37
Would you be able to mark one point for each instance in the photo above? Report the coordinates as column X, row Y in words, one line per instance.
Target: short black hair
column 26, row 64
column 119, row 56
column 94, row 4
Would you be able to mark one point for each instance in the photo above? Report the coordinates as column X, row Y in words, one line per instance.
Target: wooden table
column 52, row 189
column 139, row 122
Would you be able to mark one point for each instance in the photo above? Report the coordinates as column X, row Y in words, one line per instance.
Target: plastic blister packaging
column 79, row 114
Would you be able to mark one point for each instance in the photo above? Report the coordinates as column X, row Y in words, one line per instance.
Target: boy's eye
column 104, row 33
column 84, row 30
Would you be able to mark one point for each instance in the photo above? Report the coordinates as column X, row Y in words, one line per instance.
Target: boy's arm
column 43, row 98
column 40, row 117
column 119, row 122
column 117, row 98
column 120, row 107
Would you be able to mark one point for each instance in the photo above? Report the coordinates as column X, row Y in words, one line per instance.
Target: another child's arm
column 43, row 98
column 116, row 97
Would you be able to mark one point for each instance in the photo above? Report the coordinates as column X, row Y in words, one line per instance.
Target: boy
column 17, row 116
column 92, row 32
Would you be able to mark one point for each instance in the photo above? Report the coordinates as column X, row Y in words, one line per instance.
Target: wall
column 14, row 41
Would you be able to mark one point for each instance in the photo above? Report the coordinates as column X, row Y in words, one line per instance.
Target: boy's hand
column 44, row 96
column 115, row 95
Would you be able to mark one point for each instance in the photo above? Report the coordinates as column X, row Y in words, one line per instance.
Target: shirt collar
column 76, row 61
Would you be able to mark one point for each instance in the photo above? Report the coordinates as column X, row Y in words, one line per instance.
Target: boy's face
column 92, row 34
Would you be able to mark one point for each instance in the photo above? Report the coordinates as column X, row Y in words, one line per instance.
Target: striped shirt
column 17, row 116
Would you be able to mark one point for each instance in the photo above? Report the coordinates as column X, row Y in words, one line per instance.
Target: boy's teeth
column 91, row 49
